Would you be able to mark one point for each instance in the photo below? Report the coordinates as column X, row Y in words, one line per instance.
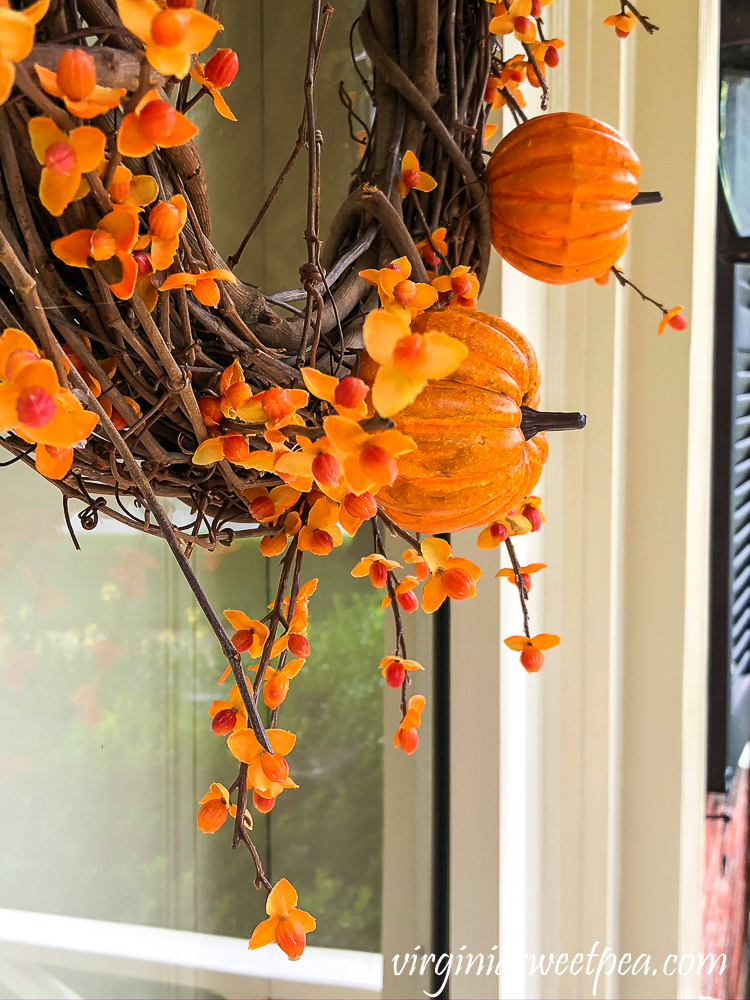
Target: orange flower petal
column 264, row 933
column 53, row 464
column 74, row 249
column 89, row 143
column 433, row 595
column 131, row 141
column 125, row 287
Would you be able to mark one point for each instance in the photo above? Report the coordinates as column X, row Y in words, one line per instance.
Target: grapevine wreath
column 135, row 365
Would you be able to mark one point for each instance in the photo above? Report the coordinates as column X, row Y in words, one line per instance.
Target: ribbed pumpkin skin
column 561, row 188
column 473, row 463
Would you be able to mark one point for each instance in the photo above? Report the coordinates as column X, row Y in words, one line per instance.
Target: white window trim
column 184, row 958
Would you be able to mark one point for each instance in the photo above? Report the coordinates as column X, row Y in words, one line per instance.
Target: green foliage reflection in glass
column 106, row 674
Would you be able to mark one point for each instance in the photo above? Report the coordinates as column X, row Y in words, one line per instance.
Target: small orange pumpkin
column 561, row 188
column 473, row 462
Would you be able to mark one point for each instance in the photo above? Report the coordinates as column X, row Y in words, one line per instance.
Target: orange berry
column 533, row 516
column 350, row 392
column 76, row 74
column 678, row 322
column 394, row 674
column 224, row 721
column 457, row 583
column 57, row 453
column 263, row 509
column 602, row 279
column 490, row 93
column 236, row 448
column 169, row 27
column 263, row 803
column 321, row 543
column 532, row 659
column 378, row 574
column 157, row 120
column 408, row 740
column 243, row 639
column 463, row 284
column 410, row 178
column 298, row 645
column 405, row 292
column 422, row 569
column 408, row 601
column 35, row 406
column 118, row 420
column 164, row 220
column 290, row 937
column 60, row 158
column 275, row 766
column 211, row 815
column 363, row 507
column 17, row 360
column 103, row 245
column 210, row 407
column 552, row 56
column 275, row 691
column 428, row 254
column 377, row 463
column 277, row 403
column 326, row 469
column 410, row 352
column 222, row 67
column 72, row 357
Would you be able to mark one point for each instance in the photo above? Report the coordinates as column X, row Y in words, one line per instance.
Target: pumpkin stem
column 535, row 421
column 647, row 198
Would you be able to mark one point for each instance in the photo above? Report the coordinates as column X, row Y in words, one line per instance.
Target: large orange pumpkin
column 473, row 462
column 561, row 188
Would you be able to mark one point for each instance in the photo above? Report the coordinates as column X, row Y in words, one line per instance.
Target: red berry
column 526, row 578
column 243, row 639
column 394, row 674
column 263, row 803
column 35, row 406
column 224, row 721
column 157, row 120
column 275, row 766
column 552, row 56
column 60, row 158
column 408, row 740
column 262, row 508
column 532, row 659
column 678, row 322
column 350, row 392
column 377, row 463
column 76, row 74
column 144, row 267
column 410, row 178
column 326, row 469
column 236, row 448
column 378, row 574
column 458, row 583
column 298, row 645
column 522, row 25
column 363, row 507
column 164, row 220
column 498, row 531
column 620, row 33
column 536, row 8
column 222, row 67
column 408, row 601
column 169, row 27
column 179, row 4
column 533, row 516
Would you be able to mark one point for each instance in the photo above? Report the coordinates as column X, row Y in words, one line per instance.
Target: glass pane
column 734, row 149
column 108, row 670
